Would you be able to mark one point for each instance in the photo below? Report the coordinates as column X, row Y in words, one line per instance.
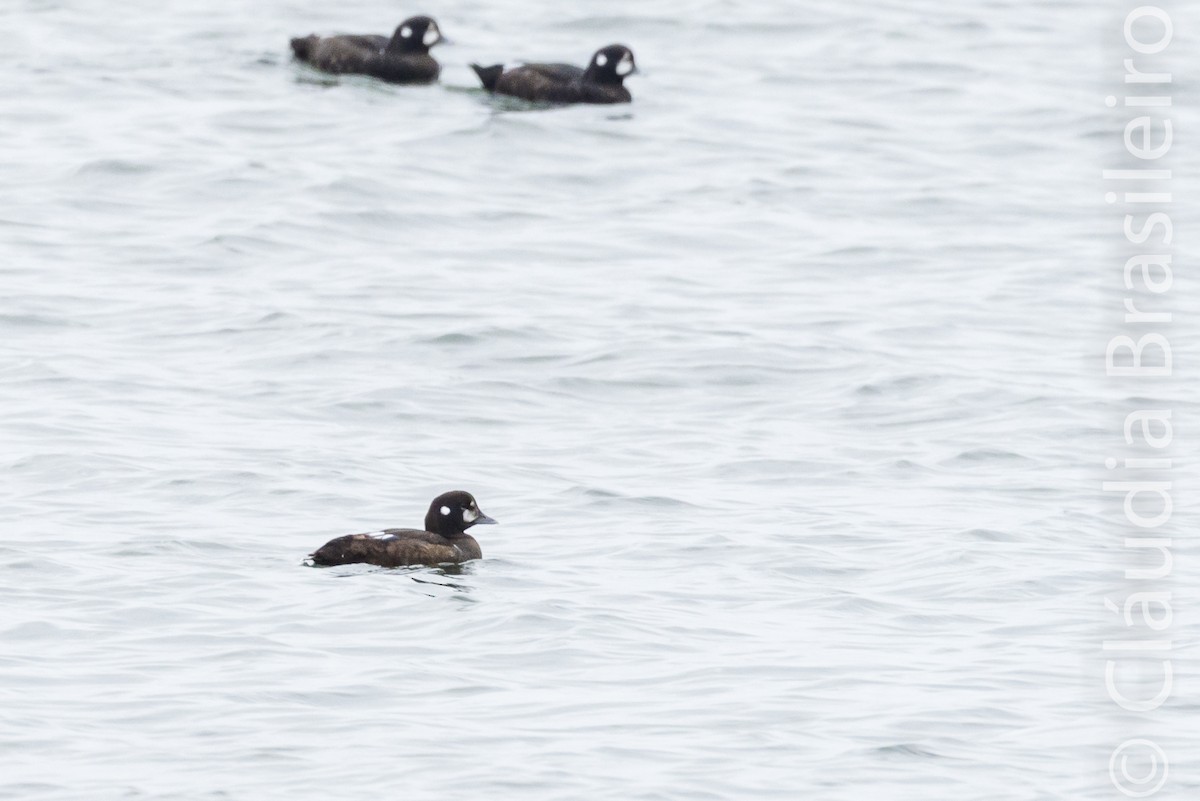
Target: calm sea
column 785, row 382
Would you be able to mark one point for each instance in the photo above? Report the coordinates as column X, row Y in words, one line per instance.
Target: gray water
column 785, row 383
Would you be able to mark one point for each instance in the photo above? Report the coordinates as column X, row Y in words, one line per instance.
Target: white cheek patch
column 470, row 515
column 445, row 510
column 406, row 32
column 431, row 36
column 601, row 60
column 625, row 65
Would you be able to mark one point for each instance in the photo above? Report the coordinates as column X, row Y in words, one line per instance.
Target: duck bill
column 484, row 520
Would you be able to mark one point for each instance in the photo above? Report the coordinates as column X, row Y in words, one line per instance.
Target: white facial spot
column 431, row 36
column 406, row 32
column 445, row 510
column 625, row 65
column 470, row 515
column 601, row 59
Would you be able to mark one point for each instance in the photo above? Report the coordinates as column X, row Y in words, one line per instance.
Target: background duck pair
column 404, row 58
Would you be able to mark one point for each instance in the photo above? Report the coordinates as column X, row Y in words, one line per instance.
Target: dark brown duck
column 402, row 59
column 444, row 541
column 601, row 82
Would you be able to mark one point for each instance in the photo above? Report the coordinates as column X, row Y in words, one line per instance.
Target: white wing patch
column 380, row 535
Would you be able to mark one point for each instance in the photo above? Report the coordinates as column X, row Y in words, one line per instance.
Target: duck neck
column 594, row 75
column 409, row 45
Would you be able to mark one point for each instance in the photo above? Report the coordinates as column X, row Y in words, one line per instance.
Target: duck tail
column 489, row 75
column 302, row 46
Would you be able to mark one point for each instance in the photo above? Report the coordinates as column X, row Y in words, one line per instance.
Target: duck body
column 397, row 547
column 602, row 81
column 403, row 58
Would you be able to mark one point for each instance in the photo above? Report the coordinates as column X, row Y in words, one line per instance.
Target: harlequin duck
column 444, row 539
column 601, row 82
column 402, row 59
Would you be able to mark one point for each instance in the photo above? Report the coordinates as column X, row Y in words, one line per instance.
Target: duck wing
column 371, row 40
column 335, row 54
column 564, row 73
column 539, row 82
